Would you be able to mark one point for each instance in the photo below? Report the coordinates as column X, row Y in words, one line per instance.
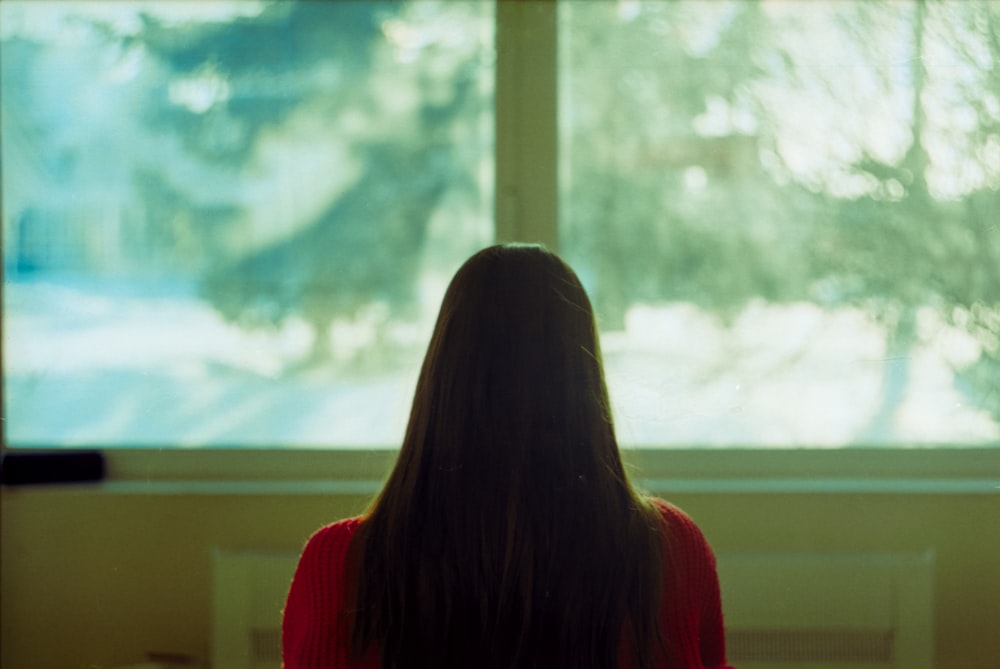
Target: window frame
column 526, row 209
column 666, row 471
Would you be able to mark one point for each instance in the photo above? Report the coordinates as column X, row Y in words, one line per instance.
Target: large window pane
column 231, row 223
column 787, row 215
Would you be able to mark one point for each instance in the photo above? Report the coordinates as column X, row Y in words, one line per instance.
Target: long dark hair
column 508, row 534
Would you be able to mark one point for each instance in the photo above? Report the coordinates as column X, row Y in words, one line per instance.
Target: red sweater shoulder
column 692, row 607
column 312, row 635
column 332, row 540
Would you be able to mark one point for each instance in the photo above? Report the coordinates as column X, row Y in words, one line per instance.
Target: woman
column 508, row 534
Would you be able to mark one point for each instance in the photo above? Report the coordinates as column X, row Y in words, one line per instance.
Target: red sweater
column 692, row 607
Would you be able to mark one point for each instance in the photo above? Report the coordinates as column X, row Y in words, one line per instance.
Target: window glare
column 230, row 223
column 786, row 215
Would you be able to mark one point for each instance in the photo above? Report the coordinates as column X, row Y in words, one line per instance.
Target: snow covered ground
column 85, row 365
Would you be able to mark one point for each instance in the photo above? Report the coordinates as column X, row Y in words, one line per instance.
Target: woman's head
column 513, row 371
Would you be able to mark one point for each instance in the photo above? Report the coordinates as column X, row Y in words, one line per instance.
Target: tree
column 917, row 238
column 669, row 197
column 740, row 151
column 386, row 86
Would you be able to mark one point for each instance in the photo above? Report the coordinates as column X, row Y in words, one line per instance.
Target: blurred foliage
column 290, row 159
column 657, row 211
column 364, row 246
column 845, row 154
column 385, row 99
column 271, row 64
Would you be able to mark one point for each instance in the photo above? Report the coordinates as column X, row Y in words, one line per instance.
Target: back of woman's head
column 512, row 376
column 507, row 534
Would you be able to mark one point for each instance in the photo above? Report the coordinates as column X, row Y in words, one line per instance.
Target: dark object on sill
column 53, row 467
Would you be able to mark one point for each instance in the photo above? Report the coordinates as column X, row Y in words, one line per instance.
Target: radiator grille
column 803, row 646
column 265, row 646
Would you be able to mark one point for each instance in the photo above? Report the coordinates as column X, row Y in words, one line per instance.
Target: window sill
column 357, row 472
column 660, row 487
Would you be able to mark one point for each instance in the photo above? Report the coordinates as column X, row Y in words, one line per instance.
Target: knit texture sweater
column 692, row 613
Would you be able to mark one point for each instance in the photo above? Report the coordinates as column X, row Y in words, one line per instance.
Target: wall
column 95, row 578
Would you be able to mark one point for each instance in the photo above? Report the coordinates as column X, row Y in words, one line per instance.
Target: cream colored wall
column 92, row 579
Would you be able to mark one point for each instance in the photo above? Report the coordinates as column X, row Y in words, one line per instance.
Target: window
column 786, row 213
column 231, row 223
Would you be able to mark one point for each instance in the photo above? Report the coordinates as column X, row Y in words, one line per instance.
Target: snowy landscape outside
column 89, row 367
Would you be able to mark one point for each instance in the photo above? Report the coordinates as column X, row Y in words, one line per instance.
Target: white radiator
column 810, row 611
column 793, row 611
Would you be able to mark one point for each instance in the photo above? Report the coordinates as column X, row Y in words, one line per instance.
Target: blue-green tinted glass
column 231, row 223
column 787, row 215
